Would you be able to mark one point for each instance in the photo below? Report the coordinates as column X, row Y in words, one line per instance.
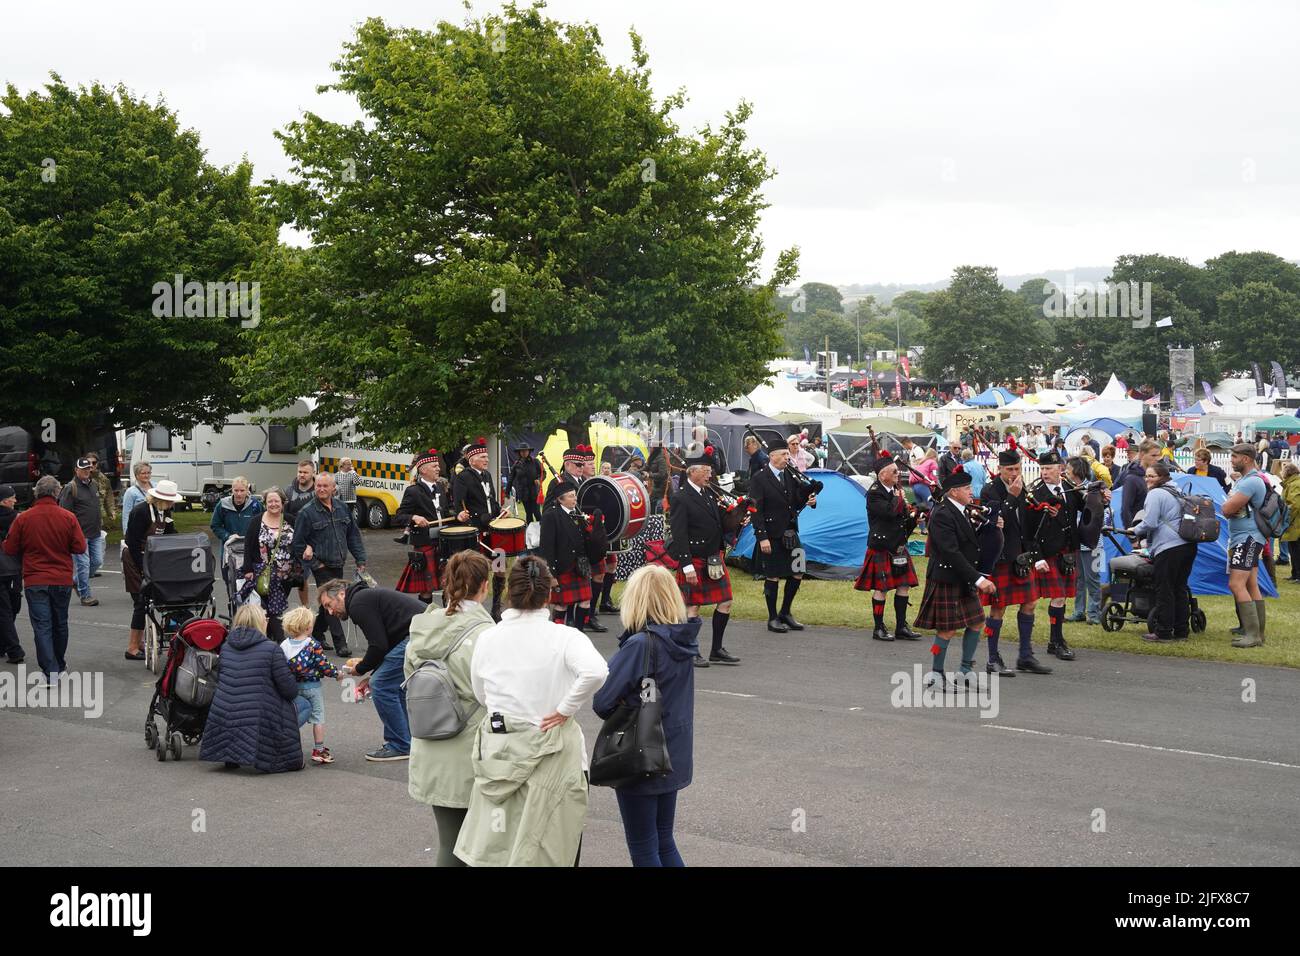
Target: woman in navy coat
column 652, row 610
column 256, row 712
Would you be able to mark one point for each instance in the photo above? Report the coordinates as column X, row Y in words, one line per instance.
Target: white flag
column 1165, row 323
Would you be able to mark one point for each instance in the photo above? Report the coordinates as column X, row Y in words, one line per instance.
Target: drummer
column 424, row 503
column 474, row 497
column 602, row 571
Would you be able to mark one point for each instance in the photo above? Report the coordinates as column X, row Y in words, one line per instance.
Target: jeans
column 47, row 607
column 11, row 601
column 648, row 828
column 390, row 699
column 84, row 565
column 921, row 493
column 324, row 619
column 302, row 706
column 1173, row 568
column 1088, row 583
column 311, row 692
column 1284, row 550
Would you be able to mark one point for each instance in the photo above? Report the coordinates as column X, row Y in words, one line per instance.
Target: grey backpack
column 434, row 709
column 196, row 677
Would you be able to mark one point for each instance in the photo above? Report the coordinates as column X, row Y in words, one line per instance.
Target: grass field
column 836, row 603
column 187, row 522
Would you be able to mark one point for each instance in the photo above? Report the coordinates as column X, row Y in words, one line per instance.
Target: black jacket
column 886, row 518
column 954, row 550
column 525, row 478
column 947, row 465
column 295, row 499
column 1053, row 535
column 557, row 487
column 384, row 617
column 1091, row 518
column 417, row 499
column 696, row 522
column 1014, row 520
column 563, row 540
column 140, row 526
column 1133, row 481
column 777, row 503
column 467, row 495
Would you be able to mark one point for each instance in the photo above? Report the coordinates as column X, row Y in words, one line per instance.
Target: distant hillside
column 885, row 293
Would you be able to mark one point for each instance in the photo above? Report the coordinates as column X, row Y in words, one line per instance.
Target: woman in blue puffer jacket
column 652, row 610
column 256, row 712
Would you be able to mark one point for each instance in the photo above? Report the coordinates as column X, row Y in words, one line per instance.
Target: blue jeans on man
column 86, row 565
column 390, row 699
column 47, row 608
column 1088, row 584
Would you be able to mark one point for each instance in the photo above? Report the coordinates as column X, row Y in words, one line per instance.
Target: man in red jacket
column 47, row 537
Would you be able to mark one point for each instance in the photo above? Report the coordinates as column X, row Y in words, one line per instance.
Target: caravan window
column 158, row 438
column 282, row 439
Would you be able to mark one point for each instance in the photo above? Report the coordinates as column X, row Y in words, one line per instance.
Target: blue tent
column 1108, row 425
column 833, row 535
column 1210, row 572
column 991, row 398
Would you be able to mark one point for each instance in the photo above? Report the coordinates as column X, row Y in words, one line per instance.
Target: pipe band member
column 777, row 500
column 570, row 474
column 888, row 564
column 1053, row 524
column 474, row 498
column 425, row 502
column 1007, row 493
column 695, row 516
column 953, row 583
column 602, row 564
column 564, row 549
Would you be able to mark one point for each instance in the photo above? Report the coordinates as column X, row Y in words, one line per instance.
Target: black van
column 24, row 459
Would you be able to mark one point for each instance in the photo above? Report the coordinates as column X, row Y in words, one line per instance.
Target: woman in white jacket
column 530, row 757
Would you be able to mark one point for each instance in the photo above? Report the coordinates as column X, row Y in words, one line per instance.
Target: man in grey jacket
column 81, row 497
column 323, row 534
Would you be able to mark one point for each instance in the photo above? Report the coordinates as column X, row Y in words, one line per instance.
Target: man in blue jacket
column 323, row 535
column 234, row 513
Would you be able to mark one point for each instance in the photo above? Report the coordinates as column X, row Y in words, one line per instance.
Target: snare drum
column 622, row 501
column 508, row 535
column 457, row 537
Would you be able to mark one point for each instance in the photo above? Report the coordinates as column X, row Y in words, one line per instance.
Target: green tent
column 1278, row 423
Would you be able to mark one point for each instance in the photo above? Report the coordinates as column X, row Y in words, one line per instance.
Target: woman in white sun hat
column 151, row 516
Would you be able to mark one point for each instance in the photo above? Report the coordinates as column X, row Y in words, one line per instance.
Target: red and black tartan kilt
column 1053, row 583
column 705, row 590
column 880, row 573
column 1011, row 589
column 421, row 582
column 605, row 565
column 570, row 588
column 948, row 607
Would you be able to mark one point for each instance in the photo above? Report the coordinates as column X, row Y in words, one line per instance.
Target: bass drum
column 622, row 500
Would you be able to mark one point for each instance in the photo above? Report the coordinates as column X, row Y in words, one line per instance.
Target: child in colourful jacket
column 308, row 663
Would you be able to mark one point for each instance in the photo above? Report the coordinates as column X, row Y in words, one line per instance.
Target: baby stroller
column 185, row 690
column 232, row 572
column 177, row 583
column 1136, row 573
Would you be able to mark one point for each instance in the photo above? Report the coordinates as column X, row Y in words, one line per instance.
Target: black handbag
column 631, row 745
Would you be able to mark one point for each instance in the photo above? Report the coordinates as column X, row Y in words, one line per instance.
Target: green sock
column 970, row 642
column 940, row 651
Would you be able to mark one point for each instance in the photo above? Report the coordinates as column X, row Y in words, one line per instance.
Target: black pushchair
column 177, row 583
column 1135, row 573
column 186, row 688
column 232, row 572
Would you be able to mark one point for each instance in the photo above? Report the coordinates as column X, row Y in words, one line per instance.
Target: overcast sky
column 908, row 138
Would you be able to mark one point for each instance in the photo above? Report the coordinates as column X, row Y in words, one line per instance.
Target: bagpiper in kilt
column 888, row 565
column 563, row 548
column 1007, row 491
column 1053, row 522
column 602, row 583
column 778, row 498
column 425, row 498
column 695, row 517
column 949, row 603
column 473, row 496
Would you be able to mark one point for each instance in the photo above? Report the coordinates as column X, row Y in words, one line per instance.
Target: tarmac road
column 801, row 759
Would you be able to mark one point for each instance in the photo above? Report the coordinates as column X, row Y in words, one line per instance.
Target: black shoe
column 788, row 620
column 593, row 624
column 905, row 633
column 342, row 650
column 720, row 656
column 15, row 660
column 880, row 634
column 700, row 661
column 1031, row 666
column 607, row 608
column 1061, row 650
column 999, row 667
column 776, row 627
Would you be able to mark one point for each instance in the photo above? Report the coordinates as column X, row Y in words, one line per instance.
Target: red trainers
column 322, row 755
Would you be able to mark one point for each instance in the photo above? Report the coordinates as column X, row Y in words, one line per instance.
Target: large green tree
column 516, row 233
column 103, row 195
column 976, row 330
column 1263, row 321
